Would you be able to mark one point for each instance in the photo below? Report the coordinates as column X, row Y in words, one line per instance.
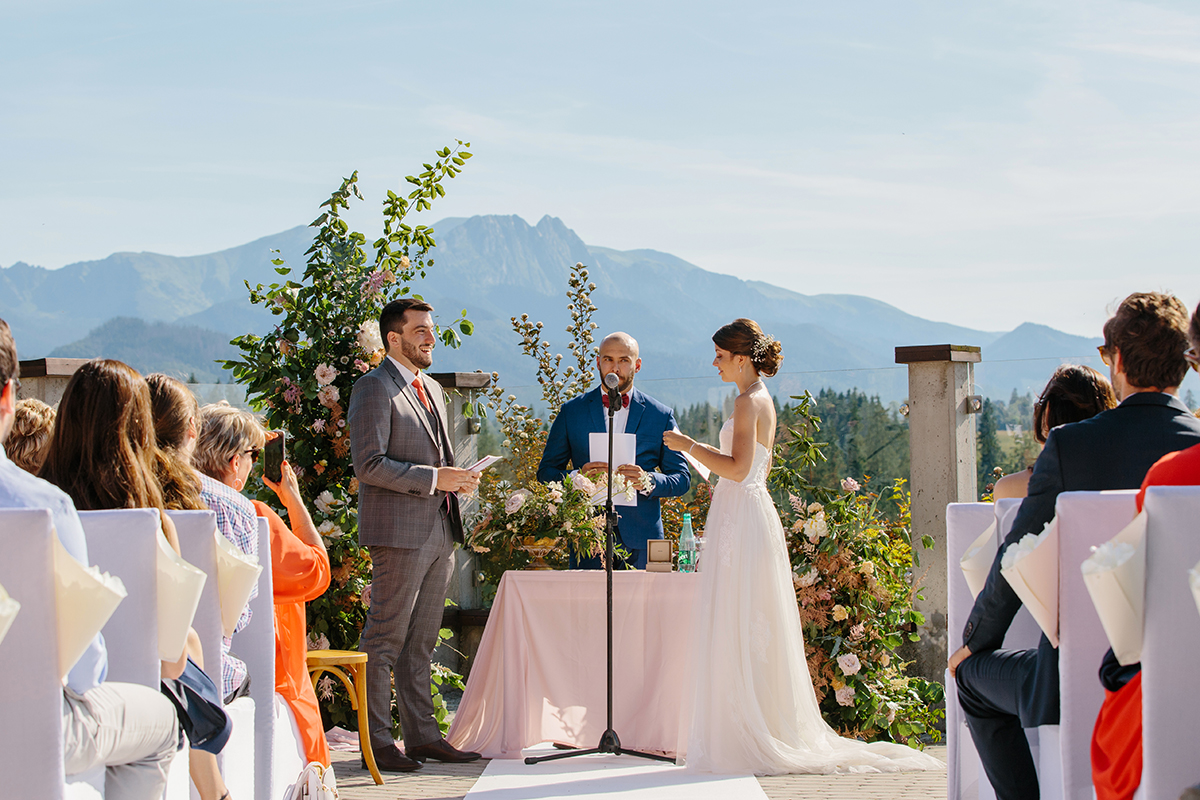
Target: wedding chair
column 31, row 738
column 124, row 542
column 1170, row 644
column 1085, row 520
column 196, row 530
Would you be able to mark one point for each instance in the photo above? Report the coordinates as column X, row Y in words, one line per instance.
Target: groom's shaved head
column 624, row 339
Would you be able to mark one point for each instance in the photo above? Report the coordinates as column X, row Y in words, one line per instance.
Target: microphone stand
column 609, row 741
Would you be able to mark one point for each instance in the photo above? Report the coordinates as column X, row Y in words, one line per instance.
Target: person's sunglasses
column 1104, row 355
column 253, row 452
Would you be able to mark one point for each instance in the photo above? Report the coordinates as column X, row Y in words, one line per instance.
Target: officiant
column 655, row 470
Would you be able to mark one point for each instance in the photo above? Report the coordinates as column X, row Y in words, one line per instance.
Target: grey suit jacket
column 395, row 450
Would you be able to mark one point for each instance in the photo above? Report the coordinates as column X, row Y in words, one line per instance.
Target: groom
column 640, row 415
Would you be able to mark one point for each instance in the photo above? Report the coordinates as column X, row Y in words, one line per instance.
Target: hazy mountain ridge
column 498, row 267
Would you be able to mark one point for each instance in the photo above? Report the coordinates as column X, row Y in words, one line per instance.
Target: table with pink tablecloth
column 540, row 672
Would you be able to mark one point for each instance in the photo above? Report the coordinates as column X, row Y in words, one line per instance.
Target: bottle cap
column 687, row 516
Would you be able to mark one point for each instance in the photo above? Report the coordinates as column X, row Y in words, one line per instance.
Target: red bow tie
column 624, row 400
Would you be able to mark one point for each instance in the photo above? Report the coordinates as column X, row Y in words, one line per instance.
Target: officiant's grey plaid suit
column 410, row 532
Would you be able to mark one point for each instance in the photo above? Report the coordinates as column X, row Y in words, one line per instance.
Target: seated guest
column 300, row 573
column 1117, row 738
column 175, row 430
column 228, row 446
column 130, row 729
column 1074, row 393
column 26, row 442
column 1003, row 691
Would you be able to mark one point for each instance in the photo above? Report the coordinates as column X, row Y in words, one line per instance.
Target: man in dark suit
column 641, row 415
column 1003, row 691
column 408, row 517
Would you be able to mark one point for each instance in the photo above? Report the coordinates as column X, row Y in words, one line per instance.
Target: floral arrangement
column 525, row 440
column 852, row 575
column 300, row 375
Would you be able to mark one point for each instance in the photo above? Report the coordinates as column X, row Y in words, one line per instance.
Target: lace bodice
column 757, row 477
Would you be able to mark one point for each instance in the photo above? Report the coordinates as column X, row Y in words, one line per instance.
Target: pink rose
column 845, row 696
column 515, row 501
column 849, row 664
column 850, row 485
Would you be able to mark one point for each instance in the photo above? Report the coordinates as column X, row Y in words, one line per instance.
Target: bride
column 753, row 708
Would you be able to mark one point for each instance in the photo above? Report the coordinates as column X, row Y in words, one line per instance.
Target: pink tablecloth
column 539, row 674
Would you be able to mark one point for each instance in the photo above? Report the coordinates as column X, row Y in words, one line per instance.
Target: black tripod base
column 609, row 743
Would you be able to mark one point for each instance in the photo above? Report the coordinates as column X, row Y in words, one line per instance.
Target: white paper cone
column 1035, row 580
column 8, row 612
column 1194, row 580
column 976, row 562
column 237, row 572
column 179, row 588
column 85, row 599
column 1119, row 593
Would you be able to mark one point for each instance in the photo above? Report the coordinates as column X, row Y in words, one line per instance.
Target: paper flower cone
column 1115, row 576
column 237, row 572
column 1034, row 577
column 179, row 588
column 1194, row 580
column 85, row 599
column 976, row 562
column 8, row 612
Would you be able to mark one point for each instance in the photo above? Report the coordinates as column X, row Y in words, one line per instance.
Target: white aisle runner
column 606, row 775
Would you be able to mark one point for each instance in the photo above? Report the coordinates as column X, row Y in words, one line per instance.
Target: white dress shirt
column 409, row 377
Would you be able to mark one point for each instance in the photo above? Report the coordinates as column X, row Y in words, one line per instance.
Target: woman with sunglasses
column 229, row 443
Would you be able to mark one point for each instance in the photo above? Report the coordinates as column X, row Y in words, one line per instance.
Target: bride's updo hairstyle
column 743, row 337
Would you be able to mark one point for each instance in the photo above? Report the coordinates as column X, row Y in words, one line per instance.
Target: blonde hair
column 27, row 441
column 225, row 431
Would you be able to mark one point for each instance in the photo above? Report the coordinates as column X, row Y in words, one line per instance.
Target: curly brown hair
column 1074, row 393
column 1150, row 331
column 30, row 435
column 743, row 337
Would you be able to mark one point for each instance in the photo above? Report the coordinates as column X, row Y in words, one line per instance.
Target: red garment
column 1117, row 737
column 1117, row 743
column 300, row 573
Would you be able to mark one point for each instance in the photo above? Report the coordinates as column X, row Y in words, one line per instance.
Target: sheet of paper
column 484, row 463
column 624, row 452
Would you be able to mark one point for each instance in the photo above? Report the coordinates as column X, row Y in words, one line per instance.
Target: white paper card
column 624, row 452
column 179, row 587
column 237, row 572
column 8, row 612
column 701, row 470
column 484, row 463
column 85, row 598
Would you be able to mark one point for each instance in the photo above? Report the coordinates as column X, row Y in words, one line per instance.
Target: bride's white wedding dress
column 753, row 708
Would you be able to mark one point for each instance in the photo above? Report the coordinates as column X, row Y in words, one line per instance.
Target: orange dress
column 300, row 573
column 1117, row 737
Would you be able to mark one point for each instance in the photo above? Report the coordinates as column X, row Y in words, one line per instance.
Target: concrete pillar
column 45, row 378
column 941, row 424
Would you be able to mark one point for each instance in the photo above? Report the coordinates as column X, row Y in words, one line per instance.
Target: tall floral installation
column 852, row 571
column 301, row 374
column 516, row 510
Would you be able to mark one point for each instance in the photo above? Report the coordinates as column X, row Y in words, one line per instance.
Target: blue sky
column 982, row 164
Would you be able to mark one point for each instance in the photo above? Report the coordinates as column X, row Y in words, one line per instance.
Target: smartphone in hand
column 274, row 452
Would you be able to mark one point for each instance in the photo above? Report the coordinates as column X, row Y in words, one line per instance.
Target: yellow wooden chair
column 341, row 662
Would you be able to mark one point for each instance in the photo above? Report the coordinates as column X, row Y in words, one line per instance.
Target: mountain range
column 177, row 314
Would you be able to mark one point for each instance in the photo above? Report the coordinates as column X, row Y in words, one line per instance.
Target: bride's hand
column 677, row 441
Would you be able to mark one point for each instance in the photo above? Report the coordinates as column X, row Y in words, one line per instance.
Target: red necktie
column 624, row 400
column 420, row 390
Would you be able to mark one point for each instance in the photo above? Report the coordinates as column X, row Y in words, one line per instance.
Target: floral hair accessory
column 761, row 345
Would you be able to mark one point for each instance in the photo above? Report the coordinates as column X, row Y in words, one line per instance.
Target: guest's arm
column 300, row 562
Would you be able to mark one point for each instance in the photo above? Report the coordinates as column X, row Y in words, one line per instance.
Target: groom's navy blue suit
column 1001, row 691
column 567, row 447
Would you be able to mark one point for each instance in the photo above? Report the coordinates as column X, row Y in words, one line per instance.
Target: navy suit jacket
column 1112, row 450
column 567, row 447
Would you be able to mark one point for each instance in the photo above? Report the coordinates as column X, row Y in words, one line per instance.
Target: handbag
column 198, row 705
column 316, row 782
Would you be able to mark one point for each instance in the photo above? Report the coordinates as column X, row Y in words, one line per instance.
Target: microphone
column 611, row 381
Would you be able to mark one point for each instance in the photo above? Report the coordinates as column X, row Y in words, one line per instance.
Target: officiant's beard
column 623, row 385
column 415, row 354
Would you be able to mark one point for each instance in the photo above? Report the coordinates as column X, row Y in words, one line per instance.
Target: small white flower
column 329, row 529
column 325, row 374
column 845, row 696
column 808, row 578
column 369, row 338
column 849, row 664
column 324, row 501
column 328, row 396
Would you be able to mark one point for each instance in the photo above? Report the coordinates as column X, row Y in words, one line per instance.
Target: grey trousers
column 408, row 596
column 128, row 728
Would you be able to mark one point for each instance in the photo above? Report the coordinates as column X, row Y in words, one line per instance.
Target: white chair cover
column 8, row 612
column 1085, row 520
column 256, row 646
column 1171, row 646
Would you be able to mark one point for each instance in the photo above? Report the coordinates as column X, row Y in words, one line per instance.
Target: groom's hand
column 454, row 479
column 633, row 473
